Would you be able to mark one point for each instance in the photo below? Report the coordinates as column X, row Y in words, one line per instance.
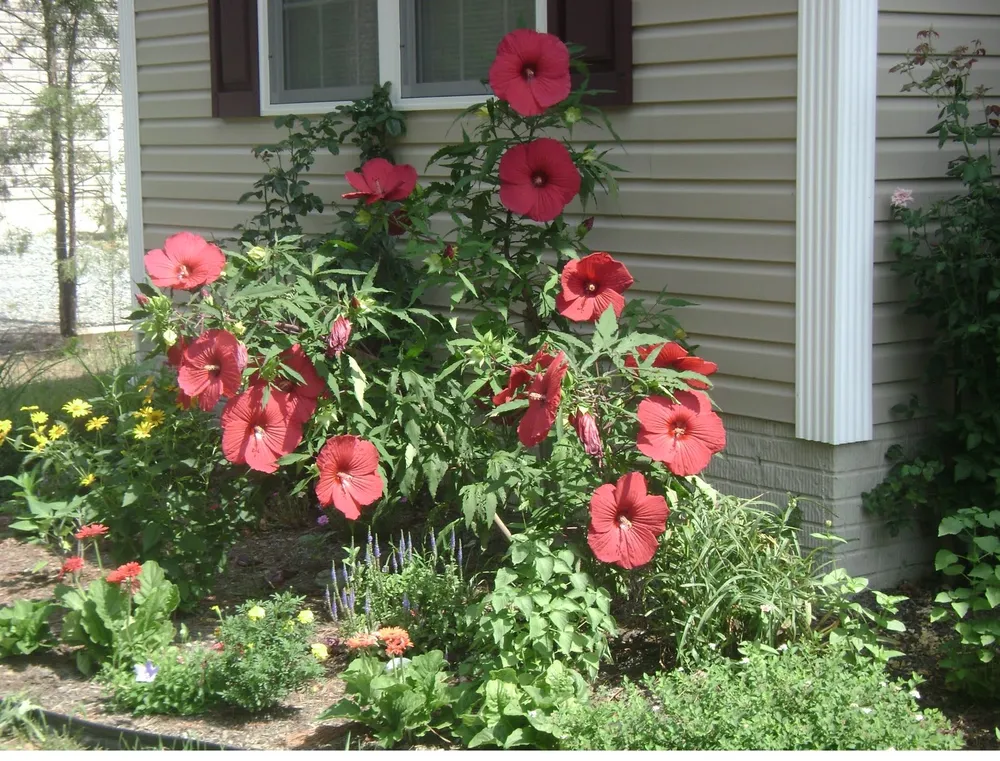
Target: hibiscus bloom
column 674, row 356
column 544, row 394
column 538, row 179
column 683, row 434
column 71, row 565
column 301, row 396
column 176, row 352
column 626, row 522
column 257, row 435
column 340, row 334
column 210, row 367
column 590, row 285
column 186, row 261
column 531, row 71
column 91, row 530
column 127, row 574
column 348, row 474
column 380, row 180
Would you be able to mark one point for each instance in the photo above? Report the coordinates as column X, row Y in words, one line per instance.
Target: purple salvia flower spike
column 434, row 544
column 392, row 559
column 451, row 542
column 406, row 602
column 409, row 544
column 350, row 601
column 378, row 552
column 343, row 599
column 368, row 604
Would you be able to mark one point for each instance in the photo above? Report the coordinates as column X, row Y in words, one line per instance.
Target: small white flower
column 915, row 694
column 396, row 663
column 145, row 672
column 657, row 709
column 783, row 647
column 532, row 714
column 745, row 660
column 883, row 684
column 711, row 646
column 765, row 608
column 866, row 711
column 919, row 717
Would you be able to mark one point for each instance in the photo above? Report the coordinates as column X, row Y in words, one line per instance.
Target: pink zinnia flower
column 901, row 198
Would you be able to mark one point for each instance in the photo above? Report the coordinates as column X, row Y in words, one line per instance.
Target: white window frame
column 390, row 66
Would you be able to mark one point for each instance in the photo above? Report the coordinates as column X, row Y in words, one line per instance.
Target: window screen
column 448, row 45
column 322, row 50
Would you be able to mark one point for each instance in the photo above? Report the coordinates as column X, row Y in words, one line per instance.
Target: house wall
column 706, row 209
column 907, row 157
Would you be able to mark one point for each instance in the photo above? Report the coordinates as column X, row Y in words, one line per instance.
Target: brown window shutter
column 604, row 29
column 232, row 34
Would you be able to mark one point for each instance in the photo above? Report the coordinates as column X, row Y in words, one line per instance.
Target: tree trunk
column 65, row 274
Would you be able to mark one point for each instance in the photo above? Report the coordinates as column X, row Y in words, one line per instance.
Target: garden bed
column 276, row 558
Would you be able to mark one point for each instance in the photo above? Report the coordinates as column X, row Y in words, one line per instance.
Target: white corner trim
column 835, row 219
column 130, row 111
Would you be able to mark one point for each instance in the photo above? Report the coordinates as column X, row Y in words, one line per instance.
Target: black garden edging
column 91, row 733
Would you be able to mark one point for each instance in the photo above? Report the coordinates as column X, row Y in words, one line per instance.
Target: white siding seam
column 133, row 168
column 835, row 219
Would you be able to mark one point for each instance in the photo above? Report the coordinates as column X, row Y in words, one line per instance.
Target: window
column 328, row 51
column 272, row 56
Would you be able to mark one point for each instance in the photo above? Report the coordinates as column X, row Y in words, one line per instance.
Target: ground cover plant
column 451, row 352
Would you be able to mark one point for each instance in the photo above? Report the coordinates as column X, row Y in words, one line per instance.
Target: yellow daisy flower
column 42, row 440
column 88, row 479
column 256, row 613
column 142, row 430
column 97, row 423
column 57, row 431
column 29, row 408
column 77, row 408
column 151, row 416
column 39, row 418
column 6, row 426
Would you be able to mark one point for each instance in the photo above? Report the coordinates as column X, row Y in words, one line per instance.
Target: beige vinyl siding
column 907, row 157
column 706, row 207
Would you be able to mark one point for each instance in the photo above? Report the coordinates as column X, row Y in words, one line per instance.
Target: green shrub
column 798, row 700
column 24, row 627
column 180, row 686
column 265, row 653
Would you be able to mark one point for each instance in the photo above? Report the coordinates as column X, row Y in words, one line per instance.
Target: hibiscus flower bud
column 483, row 112
column 142, row 299
column 572, row 115
column 449, row 252
column 590, row 436
column 242, row 356
column 363, row 217
column 340, row 334
column 239, row 328
column 588, row 224
column 589, row 156
column 169, row 336
column 258, row 255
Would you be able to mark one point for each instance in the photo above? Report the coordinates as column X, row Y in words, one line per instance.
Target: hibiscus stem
column 503, row 527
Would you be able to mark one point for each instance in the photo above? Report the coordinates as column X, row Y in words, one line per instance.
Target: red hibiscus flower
column 71, row 565
column 520, row 375
column 683, row 434
column 91, row 530
column 531, row 71
column 340, row 334
column 186, row 261
column 257, row 435
column 176, row 352
column 592, row 284
column 380, row 180
column 348, row 475
column 544, row 394
column 127, row 574
column 626, row 521
column 301, row 396
column 674, row 356
column 538, row 179
column 590, row 435
column 211, row 367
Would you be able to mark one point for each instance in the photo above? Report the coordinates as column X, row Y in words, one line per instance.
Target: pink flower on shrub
column 258, row 435
column 683, row 434
column 592, row 284
column 380, row 180
column 901, row 198
column 211, row 367
column 186, row 261
column 674, row 356
column 538, row 179
column 340, row 334
column 348, row 475
column 530, row 71
column 301, row 396
column 626, row 522
column 590, row 436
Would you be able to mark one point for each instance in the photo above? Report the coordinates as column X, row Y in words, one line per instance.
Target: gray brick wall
column 765, row 459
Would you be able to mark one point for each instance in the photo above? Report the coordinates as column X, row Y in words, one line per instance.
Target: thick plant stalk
column 503, row 527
